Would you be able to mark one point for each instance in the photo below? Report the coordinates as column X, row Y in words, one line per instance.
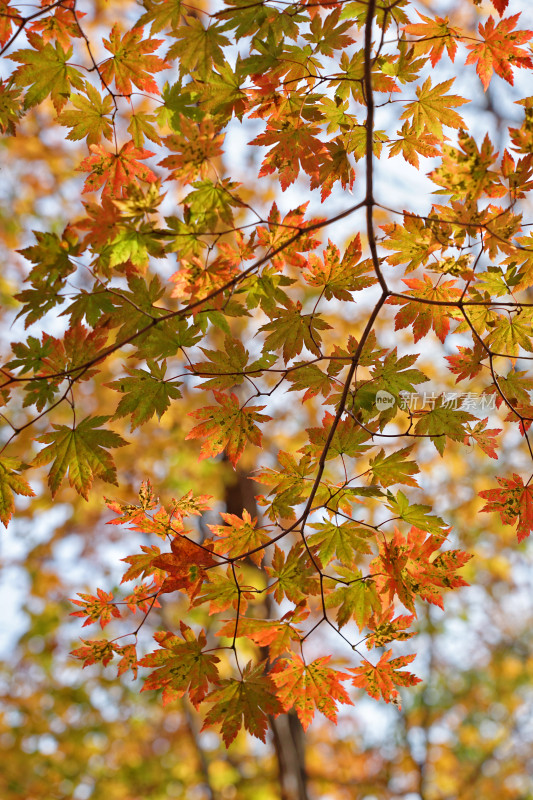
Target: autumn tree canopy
column 267, row 300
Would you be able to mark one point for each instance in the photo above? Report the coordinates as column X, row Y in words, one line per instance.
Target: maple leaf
column 223, row 590
column 338, row 278
column 11, row 482
column 436, row 34
column 291, row 330
column 45, row 71
column 88, row 118
column 434, row 108
column 198, row 48
column 310, row 379
column 296, row 145
column 114, row 171
column 509, row 334
column 394, row 468
column 82, row 450
column 411, row 143
column 238, row 536
column 423, row 317
column 228, row 366
column 294, row 577
column 182, row 665
column 196, row 146
column 344, row 542
column 467, row 363
column 227, row 427
column 128, row 660
column 10, row 106
column 414, row 241
column 8, row 17
column 441, row 422
column 97, row 609
column 246, row 702
column 484, row 437
column 276, row 635
column 95, row 651
column 379, row 680
column 348, row 438
column 500, row 6
column 186, row 563
column 304, row 687
column 499, row 50
column 514, row 502
column 145, row 393
column 407, row 566
column 131, row 61
column 385, row 629
column 141, row 564
column 359, row 600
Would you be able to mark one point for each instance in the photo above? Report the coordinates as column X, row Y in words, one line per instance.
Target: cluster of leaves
column 336, row 544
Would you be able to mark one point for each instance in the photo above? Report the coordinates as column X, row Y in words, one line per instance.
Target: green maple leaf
column 246, row 702
column 509, row 335
column 88, row 119
column 228, row 366
column 198, row 48
column 415, row 513
column 328, row 34
column 44, row 70
column 82, row 451
column 441, row 423
column 290, row 330
column 227, row 426
column 394, row 468
column 344, row 542
column 348, row 439
column 311, row 379
column 10, row 107
column 145, row 393
column 210, row 202
column 141, row 126
column 413, row 242
column 181, row 666
column 224, row 590
column 11, row 482
column 394, row 374
column 294, row 575
column 434, row 108
column 160, row 15
column 359, row 600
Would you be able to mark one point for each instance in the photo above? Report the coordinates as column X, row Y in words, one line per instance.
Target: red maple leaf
column 115, row 171
column 513, row 501
column 131, row 62
column 379, row 681
column 499, row 51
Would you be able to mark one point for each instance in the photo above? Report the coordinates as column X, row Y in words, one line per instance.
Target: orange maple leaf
column 115, row 171
column 499, row 50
